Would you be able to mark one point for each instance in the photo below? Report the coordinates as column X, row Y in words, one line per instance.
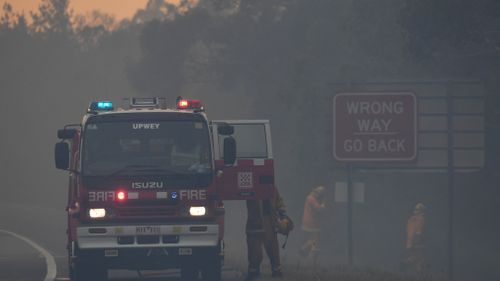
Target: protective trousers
column 311, row 244
column 416, row 257
column 255, row 241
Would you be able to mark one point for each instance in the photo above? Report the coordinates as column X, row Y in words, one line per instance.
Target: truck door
column 252, row 174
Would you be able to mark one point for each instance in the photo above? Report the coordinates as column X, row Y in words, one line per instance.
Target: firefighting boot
column 277, row 273
column 252, row 275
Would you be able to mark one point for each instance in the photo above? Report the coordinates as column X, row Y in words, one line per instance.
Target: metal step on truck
column 147, row 185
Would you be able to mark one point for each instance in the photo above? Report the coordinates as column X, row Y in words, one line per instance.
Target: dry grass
column 340, row 273
column 343, row 273
column 329, row 272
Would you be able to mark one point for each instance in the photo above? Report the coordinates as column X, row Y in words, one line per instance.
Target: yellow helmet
column 420, row 208
column 319, row 191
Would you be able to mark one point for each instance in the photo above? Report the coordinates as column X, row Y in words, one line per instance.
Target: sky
column 119, row 8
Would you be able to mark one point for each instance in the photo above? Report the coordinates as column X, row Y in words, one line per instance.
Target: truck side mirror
column 229, row 150
column 66, row 134
column 61, row 153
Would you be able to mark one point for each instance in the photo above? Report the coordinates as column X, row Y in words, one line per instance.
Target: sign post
column 451, row 178
column 372, row 127
column 349, row 214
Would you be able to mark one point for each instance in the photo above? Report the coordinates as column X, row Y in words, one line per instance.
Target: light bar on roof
column 189, row 104
column 100, row 106
column 145, row 103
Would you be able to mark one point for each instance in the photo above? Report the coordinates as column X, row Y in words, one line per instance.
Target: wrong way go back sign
column 375, row 127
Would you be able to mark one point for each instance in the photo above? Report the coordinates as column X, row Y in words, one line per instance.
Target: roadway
column 32, row 247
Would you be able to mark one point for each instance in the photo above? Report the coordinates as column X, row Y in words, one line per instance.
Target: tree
column 165, row 46
column 91, row 28
column 53, row 17
column 7, row 17
column 452, row 29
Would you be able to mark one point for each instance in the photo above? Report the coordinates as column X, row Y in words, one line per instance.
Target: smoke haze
column 265, row 59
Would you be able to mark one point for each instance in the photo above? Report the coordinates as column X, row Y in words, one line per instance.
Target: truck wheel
column 189, row 273
column 213, row 270
column 87, row 271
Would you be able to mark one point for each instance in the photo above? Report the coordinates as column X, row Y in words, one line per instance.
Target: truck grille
column 147, row 239
column 125, row 240
column 145, row 212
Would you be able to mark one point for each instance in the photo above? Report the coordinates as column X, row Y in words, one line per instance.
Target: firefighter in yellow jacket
column 261, row 231
column 415, row 237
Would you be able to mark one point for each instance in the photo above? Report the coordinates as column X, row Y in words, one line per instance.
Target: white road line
column 49, row 259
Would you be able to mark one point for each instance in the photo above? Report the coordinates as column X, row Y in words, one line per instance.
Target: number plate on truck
column 147, row 230
column 185, row 251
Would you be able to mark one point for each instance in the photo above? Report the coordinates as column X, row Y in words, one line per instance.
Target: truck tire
column 212, row 271
column 86, row 271
column 83, row 270
column 189, row 273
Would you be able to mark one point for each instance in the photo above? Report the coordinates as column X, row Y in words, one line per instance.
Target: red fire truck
column 147, row 184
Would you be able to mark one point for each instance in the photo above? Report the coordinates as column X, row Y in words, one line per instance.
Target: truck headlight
column 97, row 213
column 197, row 211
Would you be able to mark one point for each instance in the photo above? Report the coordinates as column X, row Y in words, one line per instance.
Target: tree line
column 266, row 58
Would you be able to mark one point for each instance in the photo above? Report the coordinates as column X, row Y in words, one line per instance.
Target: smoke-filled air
column 383, row 134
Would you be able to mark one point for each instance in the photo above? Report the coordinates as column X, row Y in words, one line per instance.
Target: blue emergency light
column 104, row 105
column 100, row 106
column 174, row 195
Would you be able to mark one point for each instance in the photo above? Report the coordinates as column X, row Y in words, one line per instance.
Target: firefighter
column 313, row 207
column 415, row 237
column 261, row 231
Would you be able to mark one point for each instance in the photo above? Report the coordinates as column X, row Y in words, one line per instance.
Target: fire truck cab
column 147, row 185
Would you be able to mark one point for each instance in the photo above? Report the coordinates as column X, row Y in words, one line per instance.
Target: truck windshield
column 167, row 148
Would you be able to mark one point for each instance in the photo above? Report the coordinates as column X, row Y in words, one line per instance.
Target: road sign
column 375, row 127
